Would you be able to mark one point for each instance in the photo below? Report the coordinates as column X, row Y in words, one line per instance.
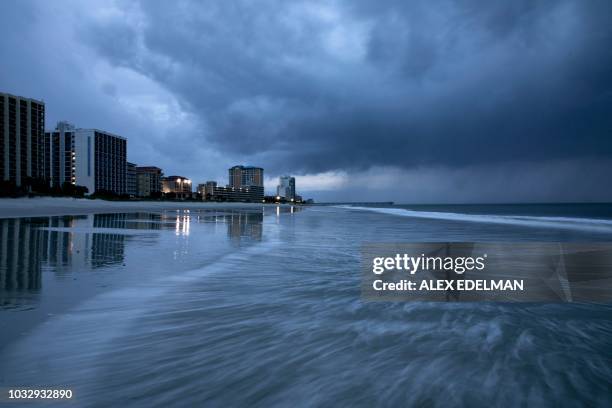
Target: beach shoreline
column 55, row 206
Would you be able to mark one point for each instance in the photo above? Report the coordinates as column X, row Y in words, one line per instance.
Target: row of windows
column 110, row 163
column 28, row 149
column 1, row 138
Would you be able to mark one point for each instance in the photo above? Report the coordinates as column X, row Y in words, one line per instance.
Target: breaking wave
column 570, row 223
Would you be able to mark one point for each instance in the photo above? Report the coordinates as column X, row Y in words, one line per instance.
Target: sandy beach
column 134, row 303
column 49, row 206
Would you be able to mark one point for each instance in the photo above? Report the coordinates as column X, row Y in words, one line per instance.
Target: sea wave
column 570, row 223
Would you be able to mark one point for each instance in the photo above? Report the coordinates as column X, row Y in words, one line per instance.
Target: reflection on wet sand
column 19, row 256
column 244, row 225
column 68, row 244
column 29, row 245
column 66, row 250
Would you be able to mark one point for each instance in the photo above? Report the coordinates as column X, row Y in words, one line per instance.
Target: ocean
column 262, row 307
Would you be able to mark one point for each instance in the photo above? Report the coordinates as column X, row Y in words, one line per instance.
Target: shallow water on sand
column 261, row 308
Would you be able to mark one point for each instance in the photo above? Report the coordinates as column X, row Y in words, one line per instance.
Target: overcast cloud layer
column 473, row 101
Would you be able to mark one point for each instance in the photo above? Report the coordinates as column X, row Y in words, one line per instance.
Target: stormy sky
column 419, row 101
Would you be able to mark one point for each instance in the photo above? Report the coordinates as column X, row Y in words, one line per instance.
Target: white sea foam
column 570, row 223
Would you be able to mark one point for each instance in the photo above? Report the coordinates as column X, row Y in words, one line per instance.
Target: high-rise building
column 246, row 182
column 59, row 155
column 148, row 180
column 110, row 153
column 286, row 187
column 246, row 176
column 130, row 179
column 22, row 129
column 86, row 157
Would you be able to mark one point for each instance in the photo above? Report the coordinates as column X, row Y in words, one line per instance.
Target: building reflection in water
column 29, row 245
column 70, row 244
column 244, row 225
column 183, row 220
column 249, row 224
column 284, row 210
column 62, row 249
column 139, row 221
column 240, row 224
column 67, row 250
column 20, row 259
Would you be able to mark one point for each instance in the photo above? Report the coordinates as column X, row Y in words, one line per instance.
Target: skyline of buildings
column 97, row 160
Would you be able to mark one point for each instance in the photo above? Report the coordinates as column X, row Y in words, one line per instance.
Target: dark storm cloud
column 359, row 84
column 413, row 101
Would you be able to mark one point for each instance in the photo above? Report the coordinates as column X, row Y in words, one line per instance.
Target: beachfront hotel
column 207, row 189
column 286, row 188
column 242, row 194
column 22, row 128
column 245, row 176
column 60, row 155
column 86, row 157
column 148, row 180
column 178, row 185
column 130, row 179
column 245, row 184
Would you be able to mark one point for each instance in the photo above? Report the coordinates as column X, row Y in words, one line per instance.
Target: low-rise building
column 243, row 194
column 178, row 186
column 148, row 181
column 207, row 190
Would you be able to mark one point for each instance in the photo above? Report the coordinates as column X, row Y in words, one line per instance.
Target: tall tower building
column 110, row 159
column 245, row 183
column 86, row 157
column 59, row 155
column 22, row 129
column 131, row 182
column 286, row 187
column 246, row 176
